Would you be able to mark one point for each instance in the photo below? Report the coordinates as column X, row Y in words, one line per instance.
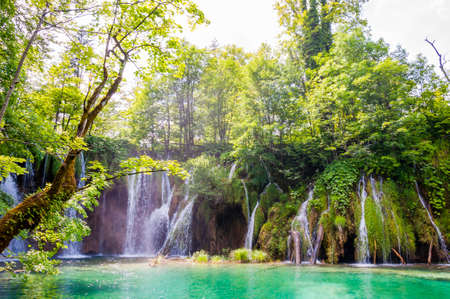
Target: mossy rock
column 271, row 194
column 274, row 233
column 260, row 218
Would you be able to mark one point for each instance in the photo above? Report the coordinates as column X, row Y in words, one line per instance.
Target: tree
column 124, row 30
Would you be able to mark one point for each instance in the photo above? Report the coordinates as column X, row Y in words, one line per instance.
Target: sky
column 248, row 23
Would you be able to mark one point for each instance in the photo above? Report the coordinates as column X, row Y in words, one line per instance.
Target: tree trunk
column 399, row 256
column 375, row 253
column 430, row 253
column 29, row 213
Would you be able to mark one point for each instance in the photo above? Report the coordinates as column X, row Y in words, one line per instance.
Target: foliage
column 241, row 255
column 10, row 165
column 338, row 180
column 259, row 256
column 218, row 259
column 200, row 256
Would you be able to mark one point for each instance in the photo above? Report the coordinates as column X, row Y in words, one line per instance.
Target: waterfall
column 246, row 200
column 232, row 170
column 377, row 197
column 29, row 176
column 436, row 228
column 157, row 226
column 179, row 239
column 303, row 225
column 81, row 181
column 9, row 186
column 44, row 171
column 251, row 228
column 131, row 212
column 363, row 241
column 74, row 248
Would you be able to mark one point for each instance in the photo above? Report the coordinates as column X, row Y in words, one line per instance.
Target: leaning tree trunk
column 29, row 213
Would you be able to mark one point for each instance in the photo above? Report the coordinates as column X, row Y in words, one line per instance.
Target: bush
column 259, row 256
column 200, row 257
column 217, row 259
column 241, row 255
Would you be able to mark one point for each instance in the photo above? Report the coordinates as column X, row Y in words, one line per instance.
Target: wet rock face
column 215, row 228
column 108, row 222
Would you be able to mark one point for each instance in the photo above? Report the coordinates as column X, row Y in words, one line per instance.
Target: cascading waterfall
column 363, row 241
column 232, row 170
column 131, row 212
column 436, row 228
column 251, row 228
column 29, row 176
column 246, row 200
column 9, row 186
column 157, row 227
column 179, row 239
column 303, row 225
column 377, row 196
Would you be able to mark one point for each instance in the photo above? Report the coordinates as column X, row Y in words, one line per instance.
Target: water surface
column 126, row 278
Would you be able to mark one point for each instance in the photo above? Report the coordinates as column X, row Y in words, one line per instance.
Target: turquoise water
column 136, row 279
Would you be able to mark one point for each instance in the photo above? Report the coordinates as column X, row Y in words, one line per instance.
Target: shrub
column 217, row 259
column 241, row 255
column 259, row 256
column 200, row 256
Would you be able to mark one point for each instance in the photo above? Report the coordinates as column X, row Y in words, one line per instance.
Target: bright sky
column 248, row 23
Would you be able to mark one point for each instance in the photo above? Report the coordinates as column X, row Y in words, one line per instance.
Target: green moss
column 340, row 221
column 274, row 233
column 272, row 194
column 260, row 218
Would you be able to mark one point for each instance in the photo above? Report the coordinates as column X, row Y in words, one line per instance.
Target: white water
column 180, row 237
column 251, row 229
column 9, row 186
column 363, row 241
column 156, row 228
column 232, row 170
column 246, row 200
column 29, row 176
column 133, row 184
column 303, row 223
column 81, row 181
column 377, row 196
column 436, row 228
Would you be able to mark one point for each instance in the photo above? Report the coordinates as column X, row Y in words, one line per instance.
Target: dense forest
column 332, row 143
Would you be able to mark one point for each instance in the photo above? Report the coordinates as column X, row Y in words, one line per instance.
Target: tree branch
column 442, row 61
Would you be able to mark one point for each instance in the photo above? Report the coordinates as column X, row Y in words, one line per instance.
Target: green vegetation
column 328, row 106
column 200, row 256
column 241, row 255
